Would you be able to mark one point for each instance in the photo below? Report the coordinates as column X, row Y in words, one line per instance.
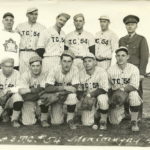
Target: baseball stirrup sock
column 44, row 109
column 71, row 108
column 17, row 106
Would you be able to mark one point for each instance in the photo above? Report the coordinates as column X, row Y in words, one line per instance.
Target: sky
column 92, row 10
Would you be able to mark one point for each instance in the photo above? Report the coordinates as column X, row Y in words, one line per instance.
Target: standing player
column 106, row 42
column 29, row 32
column 80, row 41
column 95, row 84
column 125, row 76
column 51, row 42
column 9, row 40
column 64, row 78
column 9, row 82
column 31, row 85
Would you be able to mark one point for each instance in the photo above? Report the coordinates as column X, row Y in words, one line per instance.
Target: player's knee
column 102, row 101
column 17, row 97
column 17, row 106
column 134, row 99
column 44, row 109
column 71, row 99
column 71, row 108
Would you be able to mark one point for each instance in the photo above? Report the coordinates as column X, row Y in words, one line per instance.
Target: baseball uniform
column 28, row 80
column 11, row 83
column 56, row 77
column 119, row 78
column 9, row 46
column 79, row 43
column 28, row 43
column 105, row 45
column 53, row 43
column 98, row 79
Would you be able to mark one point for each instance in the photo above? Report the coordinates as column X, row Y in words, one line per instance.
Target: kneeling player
column 125, row 77
column 9, row 97
column 94, row 82
column 32, row 84
column 64, row 78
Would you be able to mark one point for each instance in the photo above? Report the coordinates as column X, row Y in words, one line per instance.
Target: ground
column 61, row 135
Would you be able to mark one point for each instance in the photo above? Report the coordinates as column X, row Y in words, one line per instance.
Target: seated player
column 64, row 78
column 125, row 77
column 94, row 83
column 32, row 83
column 9, row 97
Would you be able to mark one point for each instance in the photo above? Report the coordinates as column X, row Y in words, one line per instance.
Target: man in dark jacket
column 137, row 46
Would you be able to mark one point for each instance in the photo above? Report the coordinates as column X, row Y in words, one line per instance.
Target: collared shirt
column 52, row 41
column 79, row 43
column 29, row 35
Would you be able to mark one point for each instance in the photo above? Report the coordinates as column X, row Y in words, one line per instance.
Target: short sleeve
column 75, row 79
column 51, row 77
column 91, row 40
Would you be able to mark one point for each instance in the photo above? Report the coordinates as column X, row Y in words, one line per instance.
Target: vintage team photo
column 75, row 73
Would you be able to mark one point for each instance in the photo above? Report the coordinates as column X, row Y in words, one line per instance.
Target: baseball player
column 125, row 76
column 29, row 32
column 106, row 42
column 138, row 49
column 9, row 40
column 95, row 83
column 31, row 85
column 9, row 84
column 80, row 41
column 51, row 42
column 64, row 77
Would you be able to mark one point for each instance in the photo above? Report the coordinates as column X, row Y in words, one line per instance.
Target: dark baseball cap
column 8, row 14
column 131, row 19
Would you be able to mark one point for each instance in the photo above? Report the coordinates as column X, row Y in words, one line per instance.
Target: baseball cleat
column 72, row 125
column 134, row 126
column 15, row 124
column 45, row 124
column 103, row 125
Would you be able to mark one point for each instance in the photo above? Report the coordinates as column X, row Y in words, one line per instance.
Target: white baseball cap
column 89, row 55
column 104, row 17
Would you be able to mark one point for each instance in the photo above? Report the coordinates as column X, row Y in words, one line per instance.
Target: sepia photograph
column 74, row 73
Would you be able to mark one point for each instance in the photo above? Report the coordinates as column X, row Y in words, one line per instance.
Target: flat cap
column 68, row 53
column 35, row 59
column 89, row 55
column 30, row 10
column 131, row 19
column 67, row 16
column 9, row 60
column 8, row 14
column 122, row 48
column 78, row 15
column 104, row 17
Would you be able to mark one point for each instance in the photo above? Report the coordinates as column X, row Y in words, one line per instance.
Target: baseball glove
column 118, row 98
column 30, row 97
column 87, row 103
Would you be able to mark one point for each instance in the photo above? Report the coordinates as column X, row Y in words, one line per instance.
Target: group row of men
column 52, row 65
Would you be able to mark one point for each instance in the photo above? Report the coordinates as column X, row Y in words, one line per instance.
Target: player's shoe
column 71, row 124
column 45, row 124
column 103, row 125
column 134, row 126
column 15, row 124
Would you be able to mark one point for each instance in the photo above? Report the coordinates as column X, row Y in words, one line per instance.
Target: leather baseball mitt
column 118, row 98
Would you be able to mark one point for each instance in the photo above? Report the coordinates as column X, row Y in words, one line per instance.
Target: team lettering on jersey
column 10, row 45
column 33, row 33
column 102, row 41
column 120, row 81
column 86, row 86
column 81, row 41
column 57, row 39
column 6, row 85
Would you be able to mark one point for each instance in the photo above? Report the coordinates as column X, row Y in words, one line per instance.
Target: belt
column 104, row 59
column 79, row 57
column 27, row 50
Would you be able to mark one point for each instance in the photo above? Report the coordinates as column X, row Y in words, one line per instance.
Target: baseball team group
column 51, row 78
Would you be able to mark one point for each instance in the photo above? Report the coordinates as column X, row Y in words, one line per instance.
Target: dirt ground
column 61, row 135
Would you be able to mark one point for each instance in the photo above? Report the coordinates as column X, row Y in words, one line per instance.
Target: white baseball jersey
column 52, row 41
column 11, row 82
column 56, row 77
column 105, row 44
column 79, row 43
column 9, row 46
column 98, row 79
column 119, row 78
column 29, row 35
